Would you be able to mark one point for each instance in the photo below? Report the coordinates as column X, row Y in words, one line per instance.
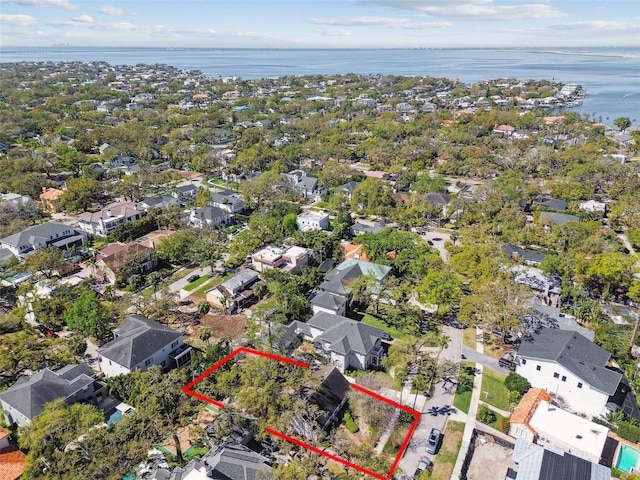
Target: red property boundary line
column 416, row 415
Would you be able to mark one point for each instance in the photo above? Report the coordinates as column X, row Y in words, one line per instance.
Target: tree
column 85, row 316
column 441, row 288
column 46, row 261
column 77, row 345
column 203, row 308
column 204, row 334
column 79, row 194
column 203, row 197
column 178, row 248
column 517, row 383
column 622, row 123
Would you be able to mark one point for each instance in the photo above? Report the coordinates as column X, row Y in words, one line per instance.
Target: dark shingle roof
column 552, row 203
column 236, row 462
column 574, row 352
column 35, row 234
column 30, row 394
column 526, row 254
column 557, row 218
column 345, row 335
column 137, row 338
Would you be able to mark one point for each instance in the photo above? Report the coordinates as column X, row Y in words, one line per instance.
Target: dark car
column 193, row 278
column 433, row 442
column 385, row 336
column 425, row 463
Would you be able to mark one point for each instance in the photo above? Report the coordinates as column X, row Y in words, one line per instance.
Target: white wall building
column 311, row 220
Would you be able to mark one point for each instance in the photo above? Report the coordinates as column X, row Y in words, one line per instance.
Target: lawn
column 376, row 322
column 193, row 285
column 445, row 460
column 469, row 337
column 462, row 400
column 493, row 345
column 202, row 291
column 493, row 390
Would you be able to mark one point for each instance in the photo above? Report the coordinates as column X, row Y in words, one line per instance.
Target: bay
column 610, row 75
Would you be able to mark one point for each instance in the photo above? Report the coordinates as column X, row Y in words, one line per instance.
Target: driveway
column 484, row 360
column 441, row 396
column 178, row 285
column 437, row 241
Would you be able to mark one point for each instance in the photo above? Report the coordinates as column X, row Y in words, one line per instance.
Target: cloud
column 389, row 22
column 598, row 26
column 333, row 32
column 19, row 20
column 472, row 9
column 109, row 10
column 64, row 4
column 82, row 19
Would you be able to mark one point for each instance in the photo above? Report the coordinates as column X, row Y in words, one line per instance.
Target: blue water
column 627, row 458
column 611, row 75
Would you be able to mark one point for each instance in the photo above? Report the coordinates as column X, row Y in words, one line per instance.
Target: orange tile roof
column 351, row 250
column 528, row 404
column 51, row 194
column 3, row 433
column 12, row 463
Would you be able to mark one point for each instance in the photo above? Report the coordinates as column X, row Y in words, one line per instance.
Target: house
column 551, row 218
column 48, row 234
column 441, row 200
column 346, row 343
column 12, row 460
column 201, row 216
column 312, row 220
column 575, row 371
column 112, row 258
column 121, row 161
column 185, row 193
column 347, row 189
column 109, row 218
column 225, row 462
column 306, row 186
column 26, row 398
column 530, row 257
column 16, row 200
column 289, row 259
column 535, row 462
column 235, row 291
column 537, row 420
column 593, row 206
column 139, row 343
column 160, row 201
column 50, row 200
column 334, row 293
column 551, row 203
column 228, row 200
column 329, row 394
column 353, row 250
column 360, row 228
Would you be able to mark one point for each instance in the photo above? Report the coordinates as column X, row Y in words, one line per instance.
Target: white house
column 574, row 370
column 106, row 220
column 283, row 258
column 312, row 220
column 228, row 200
column 347, row 343
column 140, row 343
column 208, row 215
column 46, row 234
column 235, row 291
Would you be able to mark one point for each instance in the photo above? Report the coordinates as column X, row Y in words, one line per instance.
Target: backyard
column 493, row 390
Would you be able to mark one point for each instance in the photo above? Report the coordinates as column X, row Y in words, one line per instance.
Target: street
column 441, row 396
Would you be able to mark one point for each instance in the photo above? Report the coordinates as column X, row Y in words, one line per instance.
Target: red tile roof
column 12, row 463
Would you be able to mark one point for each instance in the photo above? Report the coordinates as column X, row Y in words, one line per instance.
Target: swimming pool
column 627, row 458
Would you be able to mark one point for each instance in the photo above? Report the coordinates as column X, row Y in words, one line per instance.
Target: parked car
column 193, row 278
column 425, row 463
column 508, row 361
column 434, row 440
column 385, row 336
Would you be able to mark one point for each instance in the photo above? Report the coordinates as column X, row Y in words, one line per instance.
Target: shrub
column 349, row 423
column 485, row 414
column 503, row 424
column 516, row 383
column 629, row 432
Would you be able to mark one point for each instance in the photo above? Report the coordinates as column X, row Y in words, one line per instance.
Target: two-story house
column 44, row 235
column 50, row 200
column 312, row 220
column 112, row 258
column 235, row 291
column 27, row 398
column 139, row 343
column 308, row 187
column 228, row 200
column 289, row 259
column 575, row 370
column 106, row 220
column 209, row 215
column 345, row 342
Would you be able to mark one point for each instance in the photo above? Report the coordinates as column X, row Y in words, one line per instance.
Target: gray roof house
column 575, row 370
column 536, row 462
column 551, row 203
column 441, row 199
column 228, row 200
column 531, row 257
column 160, row 201
column 362, row 228
column 46, row 234
column 199, row 217
column 553, row 218
column 235, row 291
column 347, row 189
column 336, row 283
column 229, row 462
column 347, row 343
column 27, row 398
column 185, row 192
column 306, row 186
column 139, row 343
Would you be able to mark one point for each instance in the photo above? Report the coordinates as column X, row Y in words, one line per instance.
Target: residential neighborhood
column 449, row 268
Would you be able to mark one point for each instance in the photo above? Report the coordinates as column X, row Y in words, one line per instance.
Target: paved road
column 440, row 397
column 484, row 360
column 431, row 236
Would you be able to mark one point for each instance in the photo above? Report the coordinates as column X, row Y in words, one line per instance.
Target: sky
column 321, row 23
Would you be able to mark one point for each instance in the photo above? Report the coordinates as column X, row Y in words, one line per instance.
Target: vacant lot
column 490, row 460
column 445, row 460
column 223, row 326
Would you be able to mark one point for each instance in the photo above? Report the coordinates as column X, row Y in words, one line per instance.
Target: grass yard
column 202, row 291
column 445, row 460
column 469, row 337
column 493, row 390
column 193, row 285
column 376, row 322
column 493, row 345
column 462, row 399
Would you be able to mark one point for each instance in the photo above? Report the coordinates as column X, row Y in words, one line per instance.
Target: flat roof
column 563, row 428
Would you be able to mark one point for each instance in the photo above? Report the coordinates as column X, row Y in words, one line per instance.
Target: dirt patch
column 190, row 434
column 490, row 460
column 223, row 326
